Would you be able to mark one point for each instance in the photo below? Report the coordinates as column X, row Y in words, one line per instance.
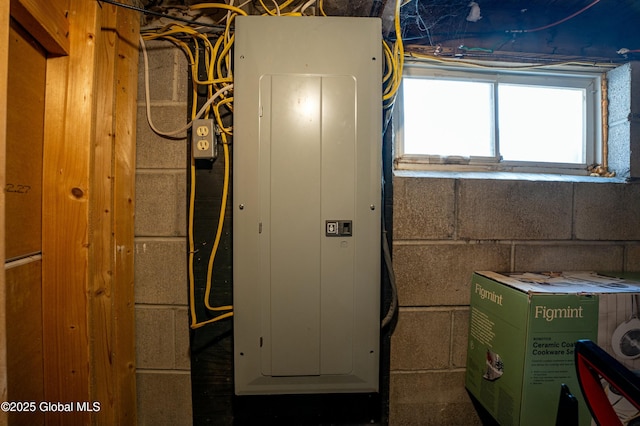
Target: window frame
column 569, row 77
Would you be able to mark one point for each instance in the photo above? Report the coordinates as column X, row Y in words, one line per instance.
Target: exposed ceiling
column 543, row 28
column 538, row 30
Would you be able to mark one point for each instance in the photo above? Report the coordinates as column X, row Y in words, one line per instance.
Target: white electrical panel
column 307, row 202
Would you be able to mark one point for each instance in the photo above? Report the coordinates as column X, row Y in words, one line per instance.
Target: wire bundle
column 394, row 62
column 215, row 61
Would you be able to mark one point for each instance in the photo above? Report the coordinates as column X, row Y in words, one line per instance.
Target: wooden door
column 23, row 215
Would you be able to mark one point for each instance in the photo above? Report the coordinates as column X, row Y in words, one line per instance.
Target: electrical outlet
column 203, row 139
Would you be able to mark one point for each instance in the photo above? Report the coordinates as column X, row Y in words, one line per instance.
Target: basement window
column 488, row 120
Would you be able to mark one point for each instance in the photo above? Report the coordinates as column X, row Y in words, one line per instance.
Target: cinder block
column 164, row 399
column 430, row 398
column 620, row 148
column 182, row 77
column 619, row 92
column 161, row 271
column 624, row 134
column 154, row 151
column 164, row 60
column 502, row 210
column 423, row 208
column 440, row 274
column 607, row 211
column 183, row 353
column 634, row 143
column 155, row 341
column 161, row 203
column 569, row 257
column 460, row 334
column 635, row 85
column 421, row 340
column 632, row 258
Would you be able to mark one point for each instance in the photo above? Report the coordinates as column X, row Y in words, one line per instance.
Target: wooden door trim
column 46, row 21
column 4, row 75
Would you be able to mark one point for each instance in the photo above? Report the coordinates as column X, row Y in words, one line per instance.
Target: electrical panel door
column 307, row 193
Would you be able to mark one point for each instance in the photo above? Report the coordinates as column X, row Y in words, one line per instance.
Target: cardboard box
column 523, row 328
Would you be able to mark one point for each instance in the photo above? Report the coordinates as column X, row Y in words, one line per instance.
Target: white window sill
column 547, row 177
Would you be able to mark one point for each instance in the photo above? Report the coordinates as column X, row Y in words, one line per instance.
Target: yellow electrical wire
column 216, row 113
column 216, row 59
column 278, row 10
column 269, row 12
column 224, row 55
column 321, row 7
column 397, row 58
column 194, row 322
column 216, row 242
column 192, row 249
column 225, row 41
column 171, row 32
column 218, row 6
column 470, row 64
column 388, row 56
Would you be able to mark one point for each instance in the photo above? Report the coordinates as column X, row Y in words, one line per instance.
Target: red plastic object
column 594, row 364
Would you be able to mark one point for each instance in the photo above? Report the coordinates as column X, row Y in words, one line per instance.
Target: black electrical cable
column 386, row 251
column 162, row 15
column 392, row 280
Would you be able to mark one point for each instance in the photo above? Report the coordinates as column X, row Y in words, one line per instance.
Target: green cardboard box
column 522, row 332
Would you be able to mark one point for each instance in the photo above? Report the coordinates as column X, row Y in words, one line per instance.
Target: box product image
column 522, row 332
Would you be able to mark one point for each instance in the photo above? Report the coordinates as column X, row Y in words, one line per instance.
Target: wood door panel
column 25, row 123
column 24, row 340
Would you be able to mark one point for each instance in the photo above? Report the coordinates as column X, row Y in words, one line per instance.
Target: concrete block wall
column 446, row 228
column 162, row 328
